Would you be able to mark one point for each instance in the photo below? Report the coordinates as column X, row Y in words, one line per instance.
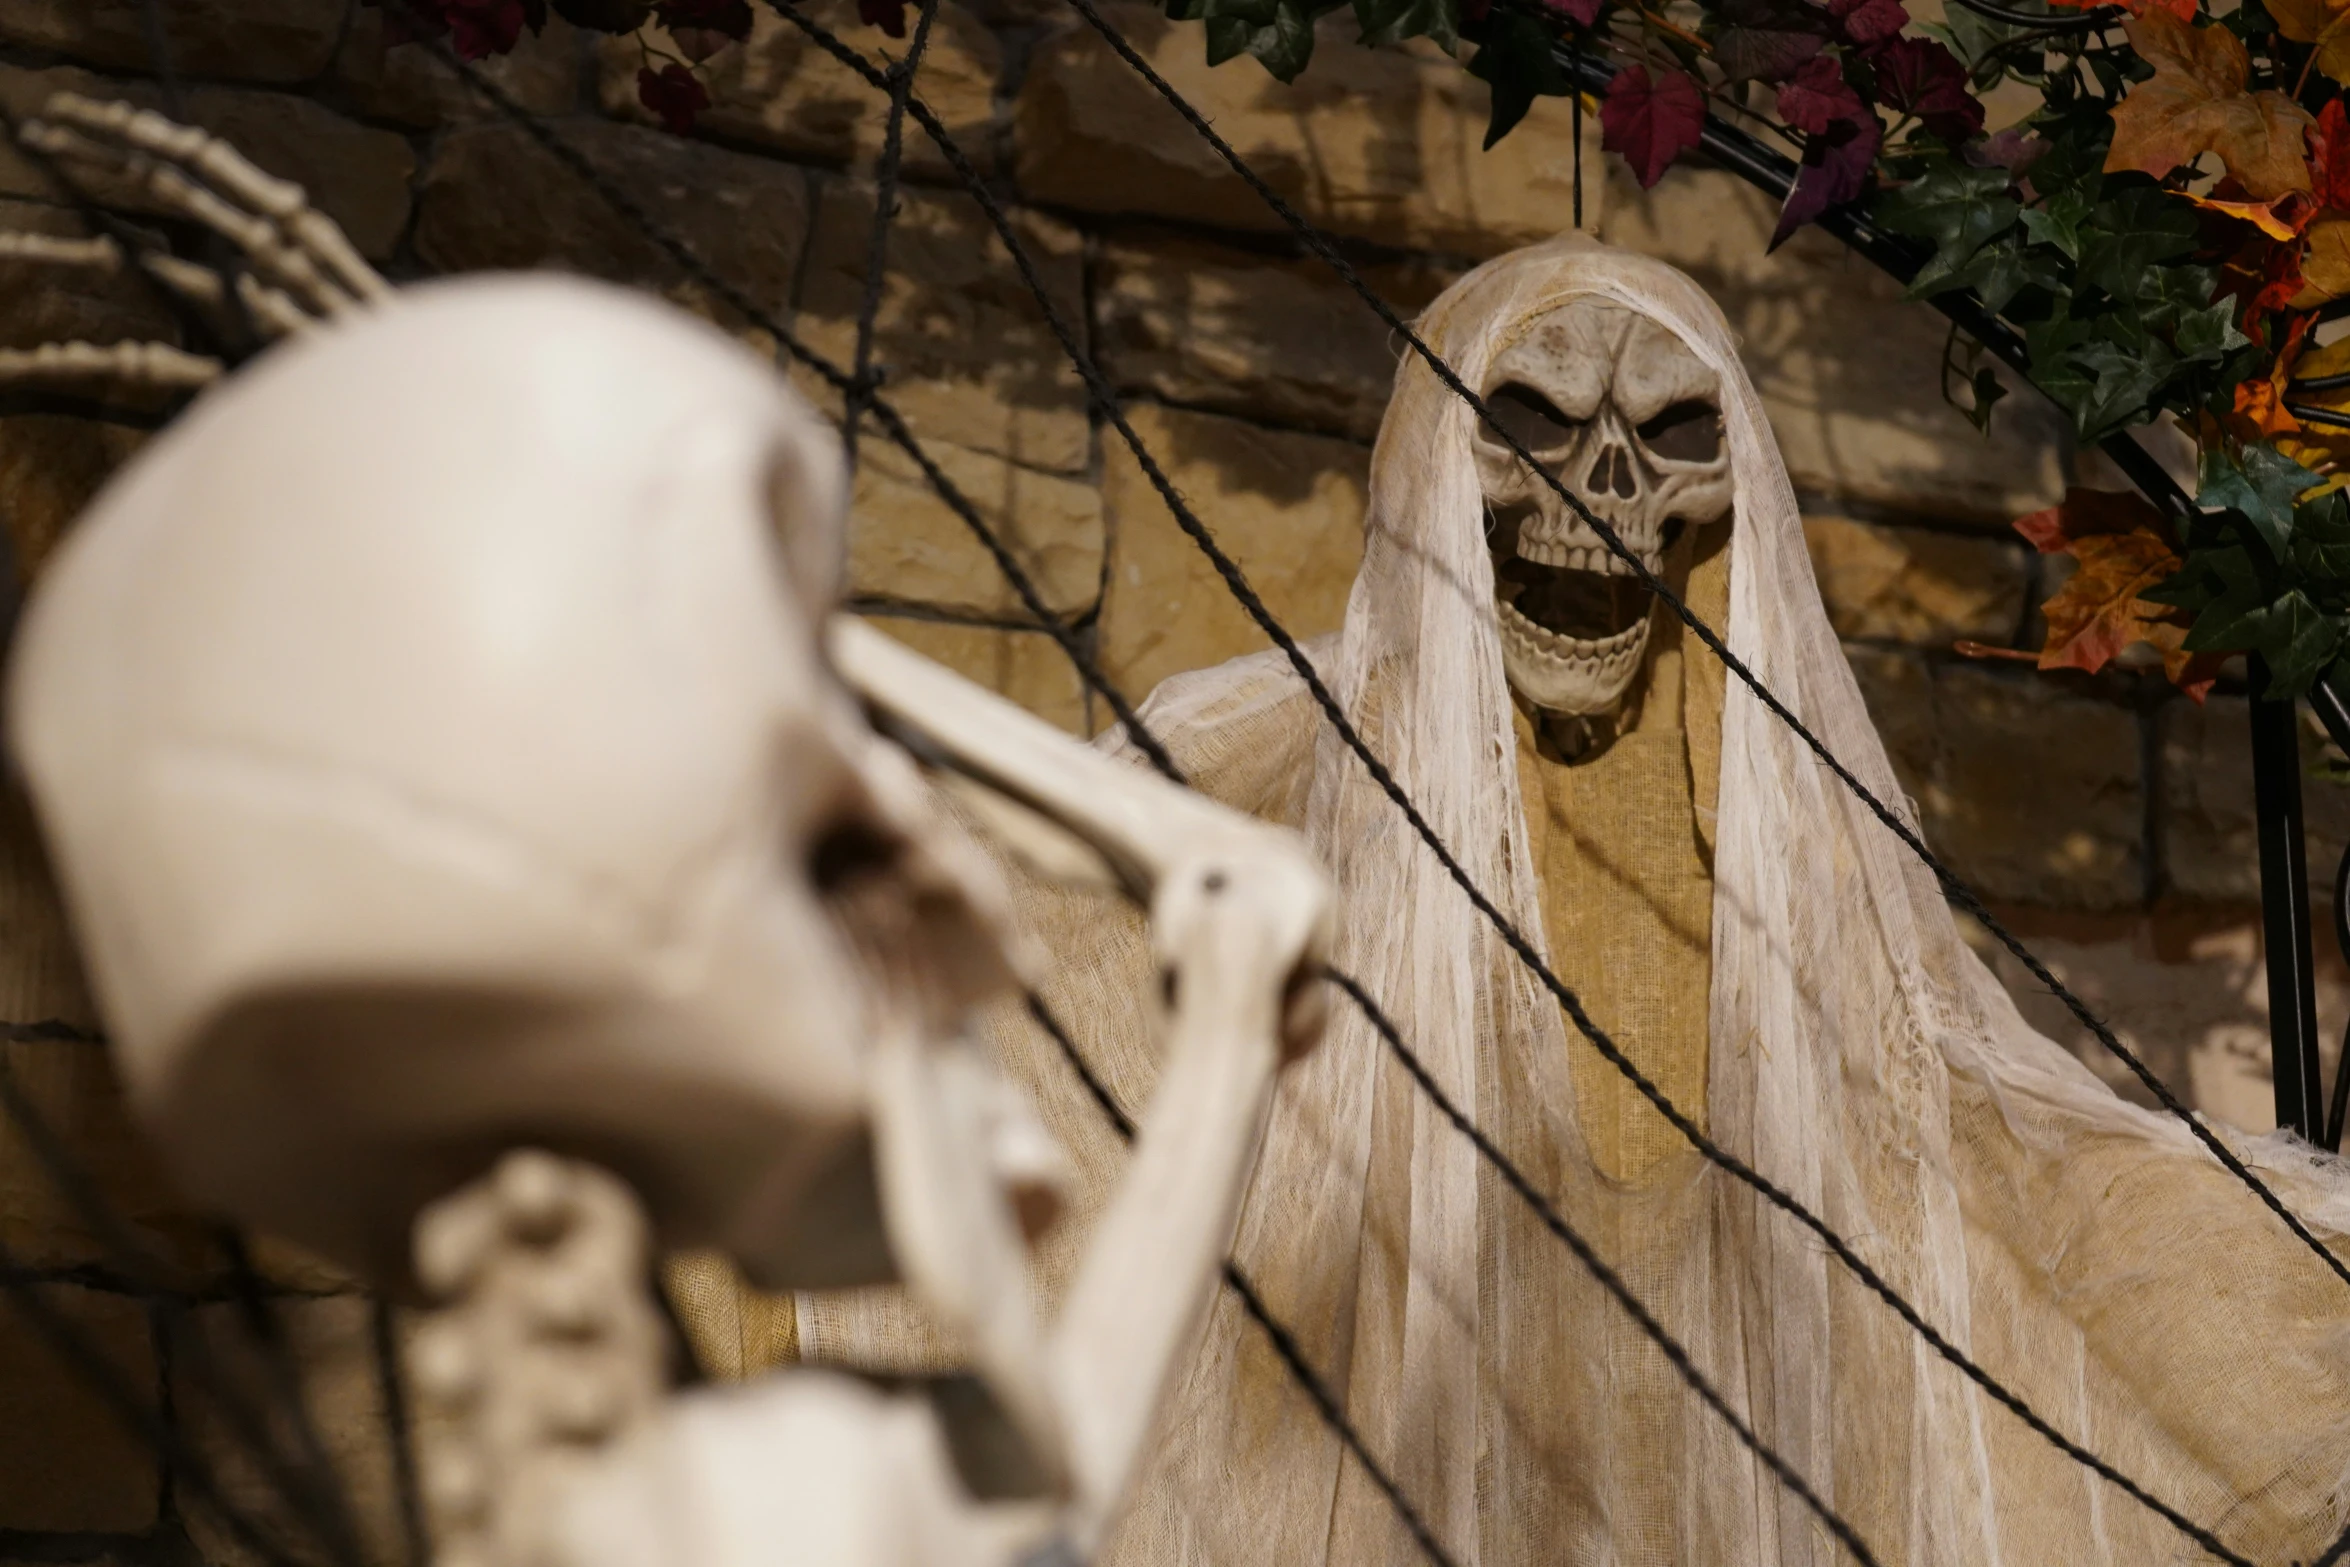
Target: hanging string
column 885, row 210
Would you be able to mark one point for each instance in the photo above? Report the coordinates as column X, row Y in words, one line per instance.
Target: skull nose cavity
column 1612, row 473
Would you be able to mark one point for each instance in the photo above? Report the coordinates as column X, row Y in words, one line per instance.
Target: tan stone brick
column 67, row 1463
column 1026, row 666
column 2027, row 789
column 50, row 468
column 355, row 174
column 410, row 84
column 2210, row 839
column 1257, row 336
column 1382, row 143
column 968, row 355
column 907, row 547
column 329, row 1342
column 779, row 90
column 1849, row 370
column 241, row 40
column 1910, row 585
column 2185, row 988
column 492, row 198
column 1287, row 508
column 40, row 975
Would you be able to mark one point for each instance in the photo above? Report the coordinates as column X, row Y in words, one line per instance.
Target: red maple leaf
column 888, row 15
column 674, row 93
column 2329, row 156
column 1918, row 76
column 1650, row 122
column 1866, row 22
column 1835, row 169
column 1818, row 96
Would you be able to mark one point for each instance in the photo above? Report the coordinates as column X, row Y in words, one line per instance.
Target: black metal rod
column 2284, row 906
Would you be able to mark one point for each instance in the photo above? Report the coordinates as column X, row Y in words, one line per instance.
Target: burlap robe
column 1790, row 974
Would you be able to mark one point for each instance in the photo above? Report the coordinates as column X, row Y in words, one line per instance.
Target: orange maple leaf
column 2123, row 548
column 2196, row 103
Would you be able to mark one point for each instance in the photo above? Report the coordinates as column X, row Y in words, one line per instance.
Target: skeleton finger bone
column 303, row 255
column 135, row 363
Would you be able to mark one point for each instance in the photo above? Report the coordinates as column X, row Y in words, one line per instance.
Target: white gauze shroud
column 2089, row 1253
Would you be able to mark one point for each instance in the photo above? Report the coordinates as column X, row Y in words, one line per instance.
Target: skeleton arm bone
column 1237, row 915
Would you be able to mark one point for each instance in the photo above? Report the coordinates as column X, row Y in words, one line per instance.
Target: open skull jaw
column 1625, row 423
column 1574, row 623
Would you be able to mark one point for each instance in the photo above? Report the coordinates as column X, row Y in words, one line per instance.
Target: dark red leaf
column 1866, row 22
column 1817, row 97
column 1581, row 12
column 481, row 28
column 1835, row 169
column 2011, row 149
column 2329, row 156
column 888, row 15
column 1651, row 122
column 674, row 93
column 1757, row 54
column 1918, row 76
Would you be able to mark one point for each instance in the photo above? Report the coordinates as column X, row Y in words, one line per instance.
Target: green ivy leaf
column 2059, row 222
column 1960, row 209
column 2321, row 544
column 2260, row 486
column 1279, row 34
column 1987, row 391
column 2138, row 227
column 2297, row 638
column 1516, row 63
column 1393, row 21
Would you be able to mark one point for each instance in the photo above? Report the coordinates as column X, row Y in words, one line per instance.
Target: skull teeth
column 1581, row 557
column 1614, row 654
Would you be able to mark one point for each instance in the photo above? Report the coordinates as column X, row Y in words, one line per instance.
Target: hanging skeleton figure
column 488, row 876
column 1775, row 960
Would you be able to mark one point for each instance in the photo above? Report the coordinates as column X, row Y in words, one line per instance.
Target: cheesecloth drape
column 2087, row 1252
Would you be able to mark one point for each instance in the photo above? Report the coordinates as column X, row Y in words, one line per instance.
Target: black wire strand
column 1958, row 891
column 1105, row 398
column 885, row 211
column 391, row 1380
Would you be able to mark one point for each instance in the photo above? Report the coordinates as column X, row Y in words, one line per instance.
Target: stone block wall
column 2109, row 818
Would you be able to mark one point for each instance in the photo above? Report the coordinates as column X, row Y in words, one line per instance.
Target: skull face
column 434, row 739
column 1629, row 420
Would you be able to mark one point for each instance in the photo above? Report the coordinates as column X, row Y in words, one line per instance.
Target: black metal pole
column 2284, row 903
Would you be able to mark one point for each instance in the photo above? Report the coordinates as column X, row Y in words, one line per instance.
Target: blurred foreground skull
column 438, row 753
column 1630, row 421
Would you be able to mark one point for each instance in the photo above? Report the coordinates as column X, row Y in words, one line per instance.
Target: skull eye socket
column 1530, row 418
column 847, row 853
column 1685, row 432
